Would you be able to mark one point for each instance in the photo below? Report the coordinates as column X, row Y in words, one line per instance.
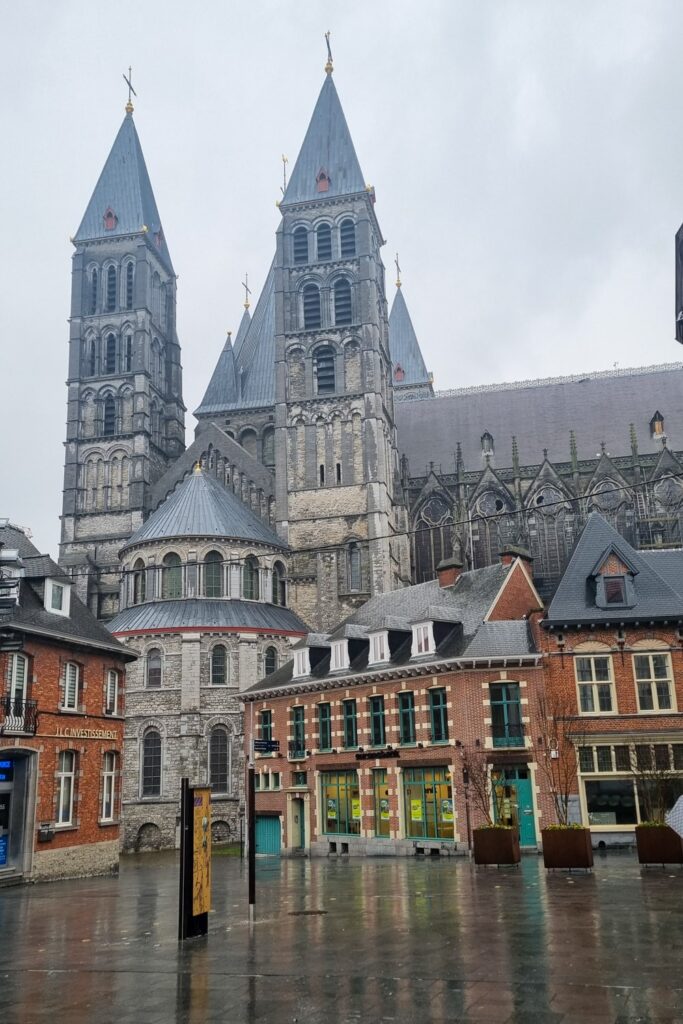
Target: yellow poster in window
column 355, row 808
column 201, row 852
column 447, row 810
column 384, row 809
column 416, row 810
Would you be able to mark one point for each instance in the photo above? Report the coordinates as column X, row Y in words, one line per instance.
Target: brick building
column 375, row 718
column 612, row 643
column 61, row 723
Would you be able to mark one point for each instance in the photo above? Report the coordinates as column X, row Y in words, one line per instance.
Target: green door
column 513, row 803
column 299, row 822
column 267, row 835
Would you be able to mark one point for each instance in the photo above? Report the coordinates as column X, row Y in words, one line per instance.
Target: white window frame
column 302, row 663
column 653, row 682
column 52, row 587
column 19, row 659
column 66, row 779
column 108, row 786
column 67, row 705
column 339, row 656
column 379, row 648
column 111, row 707
column 423, row 639
column 593, row 683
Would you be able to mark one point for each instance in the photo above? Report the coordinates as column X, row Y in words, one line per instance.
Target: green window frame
column 341, row 803
column 266, row 725
column 324, row 727
column 507, row 729
column 438, row 713
column 406, row 717
column 299, row 778
column 298, row 741
column 428, row 802
column 378, row 736
column 380, row 788
column 350, row 715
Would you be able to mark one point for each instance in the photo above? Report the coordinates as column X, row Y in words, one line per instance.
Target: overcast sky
column 527, row 158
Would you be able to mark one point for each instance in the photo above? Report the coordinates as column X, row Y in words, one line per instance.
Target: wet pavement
column 345, row 941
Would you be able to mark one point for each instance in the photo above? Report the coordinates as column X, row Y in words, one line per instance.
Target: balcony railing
column 18, row 716
column 509, row 736
column 296, row 751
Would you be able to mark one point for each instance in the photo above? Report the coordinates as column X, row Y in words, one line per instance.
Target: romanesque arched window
column 213, row 574
column 324, row 241
column 353, row 566
column 300, row 244
column 139, row 582
column 111, row 289
column 347, row 238
column 129, row 284
column 250, row 579
column 154, row 667
column 172, row 577
column 270, row 660
column 279, row 585
column 219, row 760
column 109, row 417
column 110, row 354
column 268, row 447
column 128, row 354
column 312, row 313
column 94, row 280
column 324, row 370
column 342, row 301
column 150, row 781
column 219, row 665
column 91, row 358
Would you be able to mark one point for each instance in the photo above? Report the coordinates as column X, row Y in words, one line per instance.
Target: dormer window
column 57, row 597
column 322, row 180
column 379, row 648
column 399, row 373
column 302, row 665
column 110, row 219
column 487, row 443
column 615, row 589
column 657, row 424
column 423, row 639
column 339, row 657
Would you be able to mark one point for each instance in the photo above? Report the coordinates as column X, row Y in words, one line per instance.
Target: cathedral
column 321, row 417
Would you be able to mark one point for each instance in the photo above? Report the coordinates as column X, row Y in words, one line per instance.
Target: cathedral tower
column 125, row 421
column 339, row 503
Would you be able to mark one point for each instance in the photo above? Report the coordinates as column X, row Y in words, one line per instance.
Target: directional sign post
column 266, row 746
column 257, row 747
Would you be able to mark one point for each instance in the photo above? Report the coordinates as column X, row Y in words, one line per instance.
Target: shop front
column 428, row 803
column 16, row 815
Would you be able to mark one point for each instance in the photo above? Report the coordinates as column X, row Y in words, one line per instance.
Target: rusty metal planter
column 496, row 846
column 658, row 844
column 567, row 848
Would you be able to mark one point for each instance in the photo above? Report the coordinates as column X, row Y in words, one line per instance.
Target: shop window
column 297, row 744
column 171, row 577
column 266, row 724
column 350, row 719
column 347, row 238
column 112, row 696
column 611, row 801
column 250, row 579
column 300, row 242
column 66, row 777
column 654, row 682
column 428, row 800
column 219, row 760
column 270, row 660
column 324, row 727
column 108, row 806
column 324, row 241
column 139, row 582
column 154, row 668
column 438, row 713
column 341, row 803
column 506, row 715
column 219, row 665
column 595, row 685
column 382, row 807
column 586, row 759
column 377, row 724
column 151, row 764
column 406, row 717
column 72, row 685
column 213, row 574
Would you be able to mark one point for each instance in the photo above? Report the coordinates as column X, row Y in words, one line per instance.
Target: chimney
column 448, row 571
column 511, row 552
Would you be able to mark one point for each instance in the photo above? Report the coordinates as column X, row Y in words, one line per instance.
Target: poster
column 201, row 852
column 416, row 810
column 355, row 808
column 331, row 809
column 447, row 810
column 384, row 809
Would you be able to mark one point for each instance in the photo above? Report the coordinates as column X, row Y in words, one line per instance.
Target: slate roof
column 222, row 390
column 403, row 344
column 202, row 507
column 597, row 407
column 194, row 613
column 501, row 639
column 14, row 539
column 124, row 186
column 327, row 145
column 657, row 581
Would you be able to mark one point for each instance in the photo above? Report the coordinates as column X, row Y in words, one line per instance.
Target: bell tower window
column 111, row 289
column 324, row 370
column 300, row 245
column 347, row 238
column 109, row 425
column 342, row 301
column 110, row 355
column 324, row 241
column 93, row 290
column 129, row 286
column 312, row 317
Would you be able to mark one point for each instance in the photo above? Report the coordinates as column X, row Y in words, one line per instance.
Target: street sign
column 266, row 746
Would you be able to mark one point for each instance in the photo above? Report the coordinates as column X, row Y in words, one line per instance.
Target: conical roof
column 404, row 347
column 202, row 507
column 124, row 188
column 327, row 146
column 223, row 390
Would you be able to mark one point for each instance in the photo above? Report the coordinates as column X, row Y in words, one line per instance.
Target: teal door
column 513, row 803
column 267, row 835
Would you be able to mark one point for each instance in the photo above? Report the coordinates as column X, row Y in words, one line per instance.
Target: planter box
column 658, row 844
column 496, row 846
column 567, row 848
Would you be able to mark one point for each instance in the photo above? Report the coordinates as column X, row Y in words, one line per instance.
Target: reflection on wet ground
column 382, row 940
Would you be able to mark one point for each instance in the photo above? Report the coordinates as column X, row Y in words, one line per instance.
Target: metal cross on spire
column 398, row 272
column 285, row 161
column 247, row 291
column 329, row 67
column 128, row 79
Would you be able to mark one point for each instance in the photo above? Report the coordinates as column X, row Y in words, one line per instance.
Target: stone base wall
column 154, row 826
column 82, row 861
column 369, row 847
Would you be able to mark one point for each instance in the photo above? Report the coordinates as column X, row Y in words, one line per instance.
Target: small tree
column 559, row 731
column 477, row 776
column 657, row 786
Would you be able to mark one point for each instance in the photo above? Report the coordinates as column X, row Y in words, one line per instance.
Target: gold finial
column 398, row 272
column 247, row 291
column 329, row 67
column 128, row 79
column 144, row 228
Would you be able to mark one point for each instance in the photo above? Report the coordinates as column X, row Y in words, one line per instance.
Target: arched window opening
column 324, row 241
column 92, row 363
column 129, row 285
column 93, row 290
column 269, row 447
column 139, row 582
column 250, row 579
column 109, row 419
column 154, row 668
column 128, row 354
column 219, row 760
column 213, row 574
column 151, row 764
column 111, row 289
column 347, row 238
column 110, row 354
column 172, row 581
column 324, row 370
column 354, row 566
column 300, row 243
column 342, row 301
column 270, row 661
column 338, row 478
column 219, row 666
column 279, row 585
column 312, row 314
column 321, row 472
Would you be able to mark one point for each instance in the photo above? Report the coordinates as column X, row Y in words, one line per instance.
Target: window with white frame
column 423, row 639
column 379, row 648
column 111, row 706
column 654, row 682
column 302, row 664
column 595, row 684
column 339, row 657
column 57, row 597
column 66, row 775
column 19, row 678
column 108, row 808
column 72, row 682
